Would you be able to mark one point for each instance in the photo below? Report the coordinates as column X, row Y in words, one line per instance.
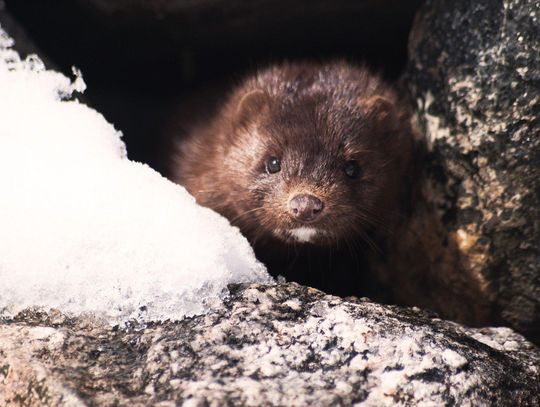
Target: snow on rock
column 84, row 229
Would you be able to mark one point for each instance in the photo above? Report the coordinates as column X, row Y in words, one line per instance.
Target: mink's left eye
column 352, row 169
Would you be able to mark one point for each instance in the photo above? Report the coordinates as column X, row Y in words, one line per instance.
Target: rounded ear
column 251, row 105
column 378, row 107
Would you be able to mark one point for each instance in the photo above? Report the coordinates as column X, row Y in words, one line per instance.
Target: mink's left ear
column 378, row 107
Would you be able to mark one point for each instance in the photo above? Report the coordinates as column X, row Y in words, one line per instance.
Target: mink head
column 316, row 153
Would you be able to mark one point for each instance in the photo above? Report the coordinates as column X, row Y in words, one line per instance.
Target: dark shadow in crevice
column 139, row 64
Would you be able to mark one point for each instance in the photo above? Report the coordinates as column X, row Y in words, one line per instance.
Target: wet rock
column 474, row 74
column 280, row 345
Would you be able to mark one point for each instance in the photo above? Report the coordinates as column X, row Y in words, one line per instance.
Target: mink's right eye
column 273, row 165
column 352, row 169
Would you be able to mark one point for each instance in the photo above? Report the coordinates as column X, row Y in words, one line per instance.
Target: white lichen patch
column 453, row 359
column 434, row 129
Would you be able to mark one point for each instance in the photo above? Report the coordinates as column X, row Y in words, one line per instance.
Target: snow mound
column 84, row 229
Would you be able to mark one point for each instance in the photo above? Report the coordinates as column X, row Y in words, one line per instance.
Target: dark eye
column 273, row 165
column 352, row 169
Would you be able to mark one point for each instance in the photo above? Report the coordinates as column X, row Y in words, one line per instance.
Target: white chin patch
column 303, row 234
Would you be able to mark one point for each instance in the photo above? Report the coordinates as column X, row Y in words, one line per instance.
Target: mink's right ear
column 251, row 105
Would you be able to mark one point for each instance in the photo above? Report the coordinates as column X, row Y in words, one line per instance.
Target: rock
column 267, row 345
column 472, row 248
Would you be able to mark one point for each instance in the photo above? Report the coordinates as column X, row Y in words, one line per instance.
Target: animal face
column 317, row 170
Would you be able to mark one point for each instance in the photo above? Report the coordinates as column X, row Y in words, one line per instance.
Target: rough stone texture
column 474, row 73
column 279, row 345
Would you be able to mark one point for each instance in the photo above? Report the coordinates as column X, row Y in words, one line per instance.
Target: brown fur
column 315, row 118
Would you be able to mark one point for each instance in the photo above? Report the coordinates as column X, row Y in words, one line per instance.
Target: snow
column 86, row 230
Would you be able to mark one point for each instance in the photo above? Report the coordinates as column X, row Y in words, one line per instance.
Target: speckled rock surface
column 474, row 73
column 279, row 345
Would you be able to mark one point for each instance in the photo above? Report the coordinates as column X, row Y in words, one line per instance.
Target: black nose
column 305, row 207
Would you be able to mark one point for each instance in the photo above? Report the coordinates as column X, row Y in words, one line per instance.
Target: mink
column 310, row 161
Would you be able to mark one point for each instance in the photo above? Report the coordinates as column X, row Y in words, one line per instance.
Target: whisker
column 352, row 252
column 374, row 222
column 258, row 233
column 246, row 213
column 370, row 242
